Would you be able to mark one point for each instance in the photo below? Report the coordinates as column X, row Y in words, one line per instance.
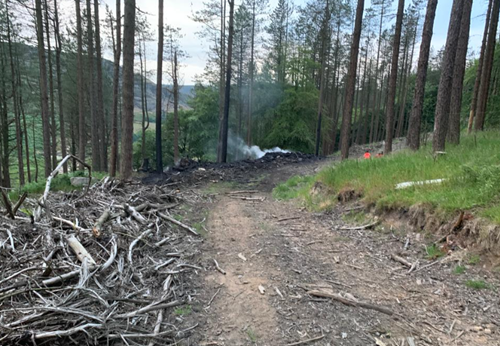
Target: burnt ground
column 275, row 253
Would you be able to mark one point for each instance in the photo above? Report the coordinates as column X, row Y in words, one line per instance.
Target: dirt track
column 288, row 251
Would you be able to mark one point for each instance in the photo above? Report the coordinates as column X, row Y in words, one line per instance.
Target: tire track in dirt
column 239, row 313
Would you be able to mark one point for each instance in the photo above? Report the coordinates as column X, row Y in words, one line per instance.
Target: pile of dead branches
column 105, row 265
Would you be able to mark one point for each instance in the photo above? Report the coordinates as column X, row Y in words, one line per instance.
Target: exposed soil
column 280, row 247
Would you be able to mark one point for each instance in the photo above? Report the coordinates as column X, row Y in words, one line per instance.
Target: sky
column 178, row 13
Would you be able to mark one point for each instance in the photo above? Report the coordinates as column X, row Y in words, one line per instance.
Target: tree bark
column 62, row 125
column 458, row 75
column 482, row 99
column 225, row 120
column 53, row 126
column 82, row 133
column 101, row 121
column 324, row 61
column 43, row 89
column 415, row 121
column 128, row 90
column 477, row 81
column 446, row 79
column 17, row 115
column 391, row 98
column 351, row 82
column 159, row 72
column 176, row 110
column 94, row 132
column 250, row 87
column 117, row 47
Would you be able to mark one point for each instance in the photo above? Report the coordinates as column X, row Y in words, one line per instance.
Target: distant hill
column 185, row 91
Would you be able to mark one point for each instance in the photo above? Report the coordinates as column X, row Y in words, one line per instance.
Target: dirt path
column 289, row 252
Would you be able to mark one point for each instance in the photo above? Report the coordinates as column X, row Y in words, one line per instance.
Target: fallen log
column 79, row 250
column 350, row 302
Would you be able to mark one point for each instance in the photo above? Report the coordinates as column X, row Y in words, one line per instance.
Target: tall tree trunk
column 225, row 120
column 364, row 133
column 53, row 126
column 100, row 120
column 43, row 89
column 25, row 128
column 477, row 81
column 415, row 121
column 482, row 99
column 159, row 89
column 359, row 129
column 377, row 70
column 94, row 132
column 324, row 60
column 17, row 115
column 62, row 125
column 250, row 87
column 446, row 79
column 143, row 108
column 351, row 82
column 391, row 98
column 458, row 75
column 176, row 109
column 82, row 133
column 4, row 126
column 221, row 76
column 336, row 85
column 117, row 50
column 128, row 90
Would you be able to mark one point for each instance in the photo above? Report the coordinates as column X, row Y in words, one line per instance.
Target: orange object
column 379, row 155
column 367, row 155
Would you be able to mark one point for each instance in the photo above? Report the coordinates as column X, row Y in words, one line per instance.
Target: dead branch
column 350, row 302
column 178, row 223
column 134, row 243
column 7, row 205
column 42, row 202
column 303, row 342
column 222, row 271
column 401, row 260
column 81, row 253
column 360, row 228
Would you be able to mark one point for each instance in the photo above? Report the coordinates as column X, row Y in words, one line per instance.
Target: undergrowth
column 471, row 171
column 62, row 182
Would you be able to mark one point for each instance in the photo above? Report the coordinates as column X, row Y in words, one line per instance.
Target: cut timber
column 178, row 223
column 79, row 250
column 418, row 183
column 350, row 302
column 98, row 227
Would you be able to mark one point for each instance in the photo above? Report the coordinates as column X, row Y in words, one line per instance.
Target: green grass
column 251, row 335
column 183, row 310
column 477, row 284
column 62, row 182
column 433, row 251
column 293, row 188
column 459, row 270
column 474, row 259
column 471, row 170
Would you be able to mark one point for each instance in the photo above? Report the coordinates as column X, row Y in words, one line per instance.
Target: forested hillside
column 315, row 76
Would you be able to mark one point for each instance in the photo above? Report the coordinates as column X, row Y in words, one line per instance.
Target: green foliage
column 293, row 188
column 293, row 124
column 183, row 310
column 477, row 284
column 459, row 270
column 474, row 259
column 433, row 251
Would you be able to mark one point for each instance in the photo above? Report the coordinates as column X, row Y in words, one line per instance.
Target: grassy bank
column 471, row 172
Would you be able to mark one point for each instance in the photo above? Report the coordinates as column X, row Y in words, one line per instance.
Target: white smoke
column 242, row 151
